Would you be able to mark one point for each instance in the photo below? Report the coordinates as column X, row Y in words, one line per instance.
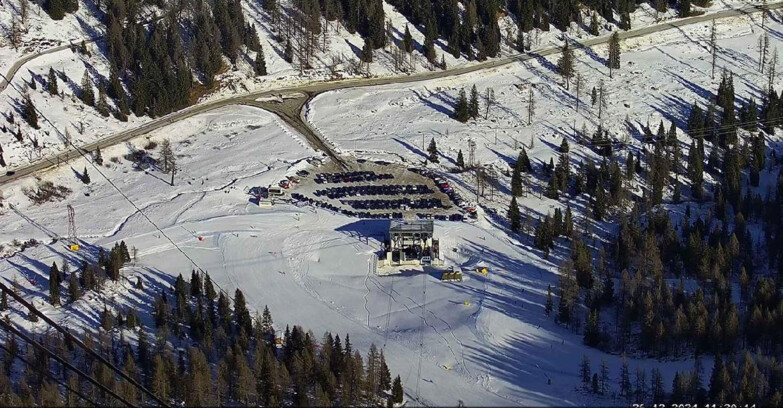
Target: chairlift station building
column 410, row 241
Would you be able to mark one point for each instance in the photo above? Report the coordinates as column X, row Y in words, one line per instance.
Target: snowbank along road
column 311, row 90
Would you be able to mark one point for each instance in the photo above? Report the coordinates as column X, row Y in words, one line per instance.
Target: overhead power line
column 67, row 334
column 62, row 361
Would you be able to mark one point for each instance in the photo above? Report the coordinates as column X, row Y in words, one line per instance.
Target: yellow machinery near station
column 451, row 276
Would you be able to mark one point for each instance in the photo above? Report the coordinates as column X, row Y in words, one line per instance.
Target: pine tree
column 584, row 370
column 102, row 106
column 85, row 176
column 614, row 53
column 267, row 326
column 88, row 96
column 241, row 313
column 98, row 158
column 54, row 284
column 288, row 53
column 685, row 8
column 30, row 114
column 51, row 83
column 657, row 389
column 260, row 63
column 473, row 105
column 594, row 26
column 513, row 215
column 432, row 149
column 209, row 289
column 407, row 41
column 397, row 392
column 517, row 189
column 565, row 65
column 625, row 380
column 107, row 320
column 74, row 290
column 460, row 160
column 604, row 377
column 367, row 51
column 461, row 111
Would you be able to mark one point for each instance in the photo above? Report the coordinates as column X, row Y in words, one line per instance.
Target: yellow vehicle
column 73, row 247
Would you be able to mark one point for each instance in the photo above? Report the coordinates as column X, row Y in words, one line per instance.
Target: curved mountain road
column 291, row 113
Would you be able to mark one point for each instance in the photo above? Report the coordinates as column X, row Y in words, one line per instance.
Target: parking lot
column 377, row 189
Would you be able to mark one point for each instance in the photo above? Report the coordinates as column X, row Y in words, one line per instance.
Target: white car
column 426, row 260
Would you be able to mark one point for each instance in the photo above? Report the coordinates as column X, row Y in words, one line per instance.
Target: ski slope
column 310, row 266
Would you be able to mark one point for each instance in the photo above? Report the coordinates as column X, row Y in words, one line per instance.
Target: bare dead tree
column 489, row 100
column 15, row 34
column 579, row 83
column 713, row 46
column 531, row 105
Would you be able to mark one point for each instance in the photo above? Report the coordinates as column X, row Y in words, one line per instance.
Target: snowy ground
column 661, row 76
column 311, row 267
column 86, row 125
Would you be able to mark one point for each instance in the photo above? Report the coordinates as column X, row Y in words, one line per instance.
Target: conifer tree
column 241, row 313
column 614, row 53
column 74, row 289
column 685, row 8
column 473, row 105
column 584, row 370
column 267, row 327
column 107, row 320
column 54, row 284
column 407, row 41
column 565, row 65
column 102, row 106
column 51, row 82
column 460, row 160
column 87, row 96
column 513, row 215
column 260, row 63
column 432, row 149
column 367, row 51
column 288, row 53
column 98, row 158
column 30, row 114
column 85, row 176
column 594, row 26
column 461, row 110
column 209, row 289
column 604, row 377
column 397, row 392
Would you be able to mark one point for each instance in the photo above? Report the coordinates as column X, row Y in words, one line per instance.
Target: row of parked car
column 387, row 190
column 350, row 177
column 396, row 204
column 444, row 187
column 441, row 217
column 349, row 213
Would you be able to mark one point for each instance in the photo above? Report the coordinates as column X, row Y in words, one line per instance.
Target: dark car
column 10, row 173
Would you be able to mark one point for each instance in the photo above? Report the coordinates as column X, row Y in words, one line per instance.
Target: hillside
column 632, row 245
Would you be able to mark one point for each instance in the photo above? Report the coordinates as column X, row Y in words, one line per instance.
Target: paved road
column 24, row 60
column 313, row 89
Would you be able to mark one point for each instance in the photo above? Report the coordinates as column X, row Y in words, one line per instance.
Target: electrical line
column 125, row 196
column 50, row 375
column 62, row 361
column 79, row 343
